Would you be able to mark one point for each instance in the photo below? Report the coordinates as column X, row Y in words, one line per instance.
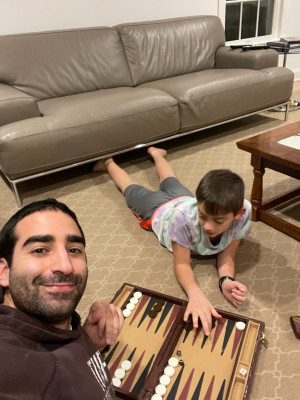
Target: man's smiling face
column 48, row 274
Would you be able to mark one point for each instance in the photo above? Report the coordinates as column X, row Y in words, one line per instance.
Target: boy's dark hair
column 8, row 236
column 222, row 192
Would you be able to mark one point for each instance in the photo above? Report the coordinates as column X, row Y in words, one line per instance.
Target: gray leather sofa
column 73, row 96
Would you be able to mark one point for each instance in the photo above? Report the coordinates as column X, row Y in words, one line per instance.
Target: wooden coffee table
column 267, row 153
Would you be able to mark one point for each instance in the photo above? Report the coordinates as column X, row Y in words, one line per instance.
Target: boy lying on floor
column 212, row 223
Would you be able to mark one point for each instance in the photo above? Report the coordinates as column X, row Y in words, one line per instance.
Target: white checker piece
column 138, row 295
column 119, row 373
column 161, row 390
column 240, row 325
column 116, row 382
column 126, row 312
column 165, row 380
column 126, row 365
column 134, row 300
column 173, row 362
column 156, row 397
column 170, row 371
column 130, row 306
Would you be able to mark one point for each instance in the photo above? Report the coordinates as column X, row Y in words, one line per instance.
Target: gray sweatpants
column 143, row 202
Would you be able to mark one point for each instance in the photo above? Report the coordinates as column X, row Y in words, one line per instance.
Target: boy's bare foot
column 155, row 151
column 101, row 165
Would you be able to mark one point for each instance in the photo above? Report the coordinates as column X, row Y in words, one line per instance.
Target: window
column 250, row 20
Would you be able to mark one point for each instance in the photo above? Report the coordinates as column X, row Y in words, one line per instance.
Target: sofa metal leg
column 286, row 113
column 16, row 193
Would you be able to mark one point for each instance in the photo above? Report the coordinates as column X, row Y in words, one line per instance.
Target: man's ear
column 4, row 273
column 240, row 213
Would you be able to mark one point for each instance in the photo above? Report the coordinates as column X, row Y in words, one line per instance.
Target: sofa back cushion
column 59, row 63
column 165, row 48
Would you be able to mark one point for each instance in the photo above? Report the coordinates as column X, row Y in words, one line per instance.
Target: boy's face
column 215, row 225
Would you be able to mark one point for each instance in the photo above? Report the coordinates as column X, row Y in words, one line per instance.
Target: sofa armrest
column 16, row 105
column 251, row 59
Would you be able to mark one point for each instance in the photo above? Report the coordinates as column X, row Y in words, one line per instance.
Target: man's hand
column 103, row 323
column 199, row 307
column 235, row 292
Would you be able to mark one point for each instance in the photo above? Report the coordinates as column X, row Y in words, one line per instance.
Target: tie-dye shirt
column 178, row 221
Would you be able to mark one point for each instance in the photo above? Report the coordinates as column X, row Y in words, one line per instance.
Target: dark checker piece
column 157, row 307
column 152, row 313
column 188, row 326
column 161, row 302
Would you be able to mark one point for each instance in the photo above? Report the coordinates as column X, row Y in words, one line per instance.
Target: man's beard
column 28, row 298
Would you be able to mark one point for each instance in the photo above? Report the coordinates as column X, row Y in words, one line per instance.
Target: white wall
column 291, row 27
column 18, row 16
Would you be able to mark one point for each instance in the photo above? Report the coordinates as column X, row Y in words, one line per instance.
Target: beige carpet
column 119, row 250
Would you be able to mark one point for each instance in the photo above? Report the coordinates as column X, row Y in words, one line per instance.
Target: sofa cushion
column 254, row 59
column 81, row 127
column 212, row 96
column 60, row 63
column 171, row 47
column 15, row 105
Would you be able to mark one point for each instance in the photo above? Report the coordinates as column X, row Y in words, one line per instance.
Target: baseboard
column 297, row 74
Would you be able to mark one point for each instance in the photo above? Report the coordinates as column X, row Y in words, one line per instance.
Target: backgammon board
column 159, row 356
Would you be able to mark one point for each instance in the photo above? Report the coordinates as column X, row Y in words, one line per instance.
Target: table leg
column 257, row 187
column 284, row 58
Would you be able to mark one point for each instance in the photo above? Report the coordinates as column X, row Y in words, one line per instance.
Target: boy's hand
column 199, row 307
column 235, row 292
